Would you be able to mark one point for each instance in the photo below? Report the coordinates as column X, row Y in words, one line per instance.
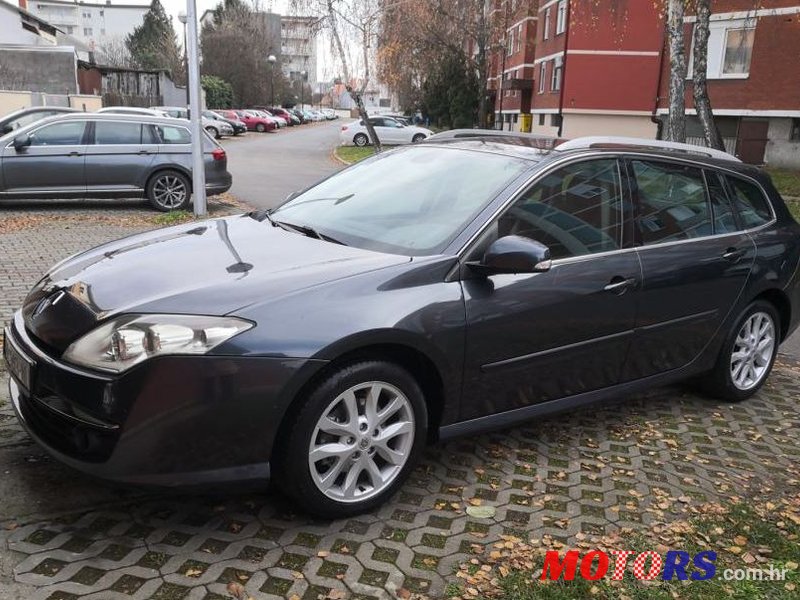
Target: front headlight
column 128, row 340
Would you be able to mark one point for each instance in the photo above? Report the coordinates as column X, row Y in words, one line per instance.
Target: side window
column 59, row 134
column 31, row 118
column 576, row 210
column 750, row 203
column 672, row 202
column 724, row 221
column 167, row 134
column 111, row 133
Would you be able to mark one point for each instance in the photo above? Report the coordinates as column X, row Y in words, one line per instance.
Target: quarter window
column 722, row 211
column 576, row 210
column 59, row 134
column 673, row 203
column 110, row 133
column 167, row 134
column 750, row 203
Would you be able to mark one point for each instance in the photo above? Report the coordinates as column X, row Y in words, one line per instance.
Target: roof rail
column 618, row 141
column 542, row 142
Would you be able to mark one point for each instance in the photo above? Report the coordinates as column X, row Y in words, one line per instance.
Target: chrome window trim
column 85, row 122
column 617, row 155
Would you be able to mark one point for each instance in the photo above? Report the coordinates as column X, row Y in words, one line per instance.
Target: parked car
column 279, row 121
column 389, row 132
column 256, row 122
column 91, row 155
column 283, row 114
column 216, row 128
column 329, row 113
column 237, row 127
column 132, row 110
column 439, row 289
column 26, row 116
column 315, row 115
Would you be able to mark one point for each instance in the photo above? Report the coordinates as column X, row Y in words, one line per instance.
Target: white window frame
column 519, row 38
column 542, row 76
column 510, row 49
column 546, row 28
column 717, row 44
column 561, row 20
column 555, row 76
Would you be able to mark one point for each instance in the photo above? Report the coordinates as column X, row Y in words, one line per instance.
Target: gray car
column 26, row 116
column 90, row 155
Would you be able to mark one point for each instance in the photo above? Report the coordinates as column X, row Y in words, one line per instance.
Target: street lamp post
column 303, row 75
column 182, row 18
column 271, row 60
column 193, row 85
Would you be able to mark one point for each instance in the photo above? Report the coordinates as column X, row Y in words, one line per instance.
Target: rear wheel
column 361, row 139
column 747, row 356
column 418, row 138
column 354, row 441
column 261, row 128
column 169, row 190
column 213, row 132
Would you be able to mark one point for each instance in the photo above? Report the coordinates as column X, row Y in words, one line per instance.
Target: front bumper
column 180, row 420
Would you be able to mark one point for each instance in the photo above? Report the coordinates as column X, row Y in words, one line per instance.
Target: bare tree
column 114, row 53
column 676, row 123
column 702, row 102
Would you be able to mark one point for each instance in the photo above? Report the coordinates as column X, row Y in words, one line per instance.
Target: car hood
column 217, row 267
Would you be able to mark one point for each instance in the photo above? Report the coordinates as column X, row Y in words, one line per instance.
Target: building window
column 561, row 21
column 519, row 37
column 738, row 51
column 546, row 28
column 511, row 42
column 542, row 76
column 541, row 120
column 795, row 134
column 87, row 31
column 70, row 29
column 87, row 15
column 555, row 80
column 555, row 120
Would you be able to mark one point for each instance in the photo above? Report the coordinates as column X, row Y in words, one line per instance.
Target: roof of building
column 47, row 26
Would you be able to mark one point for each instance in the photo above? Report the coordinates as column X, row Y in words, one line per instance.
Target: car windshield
column 412, row 201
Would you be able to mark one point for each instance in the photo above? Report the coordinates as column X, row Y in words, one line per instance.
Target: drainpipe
column 659, row 80
column 564, row 68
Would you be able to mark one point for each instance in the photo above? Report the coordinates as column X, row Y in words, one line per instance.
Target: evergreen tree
column 153, row 44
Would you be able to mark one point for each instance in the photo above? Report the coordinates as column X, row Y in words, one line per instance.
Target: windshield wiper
column 305, row 230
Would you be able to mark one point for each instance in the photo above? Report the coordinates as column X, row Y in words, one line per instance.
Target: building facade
column 19, row 26
column 602, row 67
column 299, row 48
column 94, row 24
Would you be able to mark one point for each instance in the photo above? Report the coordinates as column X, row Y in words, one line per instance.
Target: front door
column 752, row 141
column 538, row 337
column 119, row 157
column 695, row 262
column 53, row 164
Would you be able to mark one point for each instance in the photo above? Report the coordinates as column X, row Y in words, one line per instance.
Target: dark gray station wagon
column 85, row 155
column 436, row 290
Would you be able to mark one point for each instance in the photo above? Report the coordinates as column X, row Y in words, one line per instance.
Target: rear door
column 119, row 156
column 53, row 164
column 695, row 263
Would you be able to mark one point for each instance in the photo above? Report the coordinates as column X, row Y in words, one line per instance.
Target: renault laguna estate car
column 440, row 289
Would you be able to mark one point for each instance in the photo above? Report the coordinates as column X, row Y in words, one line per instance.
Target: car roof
column 134, row 118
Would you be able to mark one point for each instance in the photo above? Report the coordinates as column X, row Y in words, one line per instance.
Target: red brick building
column 593, row 67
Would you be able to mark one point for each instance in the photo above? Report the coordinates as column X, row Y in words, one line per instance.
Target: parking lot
column 626, row 467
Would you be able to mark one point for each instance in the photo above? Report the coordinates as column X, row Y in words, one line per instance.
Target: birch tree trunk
column 699, row 67
column 676, row 123
column 483, row 76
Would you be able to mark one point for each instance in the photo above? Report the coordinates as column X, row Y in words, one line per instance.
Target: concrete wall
column 781, row 151
column 13, row 100
column 579, row 125
column 49, row 70
column 85, row 103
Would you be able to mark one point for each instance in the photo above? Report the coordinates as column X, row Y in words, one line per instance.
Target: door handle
column 144, row 152
column 619, row 285
column 74, row 153
column 733, row 254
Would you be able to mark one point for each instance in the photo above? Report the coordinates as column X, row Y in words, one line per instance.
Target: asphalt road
column 267, row 167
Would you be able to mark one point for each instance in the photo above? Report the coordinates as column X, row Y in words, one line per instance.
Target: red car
column 253, row 121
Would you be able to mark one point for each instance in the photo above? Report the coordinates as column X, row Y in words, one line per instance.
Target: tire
column 733, row 379
column 364, row 454
column 169, row 190
column 214, row 132
column 418, row 138
column 260, row 128
column 361, row 139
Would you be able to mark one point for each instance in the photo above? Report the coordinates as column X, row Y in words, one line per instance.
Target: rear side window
column 724, row 220
column 750, row 203
column 167, row 134
column 673, row 204
column 110, row 133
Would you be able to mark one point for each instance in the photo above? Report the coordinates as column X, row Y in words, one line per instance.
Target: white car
column 132, row 110
column 265, row 114
column 215, row 129
column 389, row 132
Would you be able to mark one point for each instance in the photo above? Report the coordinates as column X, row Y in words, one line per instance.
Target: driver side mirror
column 513, row 254
column 22, row 141
column 7, row 128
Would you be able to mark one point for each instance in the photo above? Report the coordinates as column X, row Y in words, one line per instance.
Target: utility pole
column 193, row 83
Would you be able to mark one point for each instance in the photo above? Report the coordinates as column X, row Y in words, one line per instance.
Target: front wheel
column 418, row 138
column 354, row 441
column 213, row 132
column 169, row 190
column 361, row 139
column 747, row 356
column 261, row 128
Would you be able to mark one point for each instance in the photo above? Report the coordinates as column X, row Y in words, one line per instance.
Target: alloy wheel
column 361, row 442
column 169, row 191
column 753, row 350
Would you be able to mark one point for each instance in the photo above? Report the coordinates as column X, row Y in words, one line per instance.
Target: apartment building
column 299, row 48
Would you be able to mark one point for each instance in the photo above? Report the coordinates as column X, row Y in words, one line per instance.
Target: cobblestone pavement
column 65, row 536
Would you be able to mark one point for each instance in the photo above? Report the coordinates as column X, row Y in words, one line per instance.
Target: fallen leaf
column 481, row 512
column 193, row 572
column 236, row 590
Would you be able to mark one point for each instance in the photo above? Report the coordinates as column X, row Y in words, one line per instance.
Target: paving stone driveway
column 592, row 471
